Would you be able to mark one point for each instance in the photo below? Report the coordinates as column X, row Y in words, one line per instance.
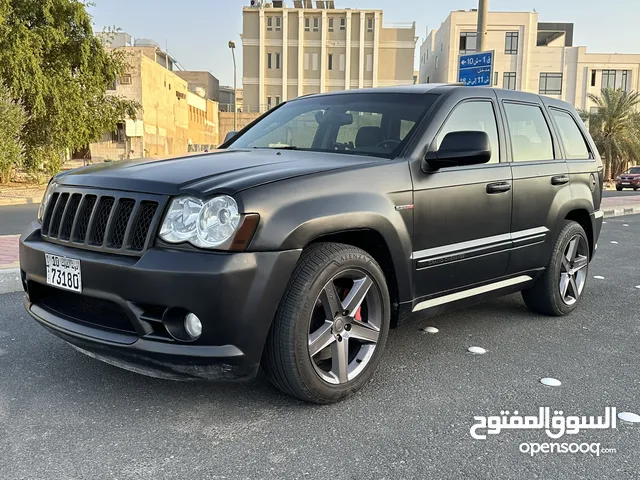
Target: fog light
column 193, row 325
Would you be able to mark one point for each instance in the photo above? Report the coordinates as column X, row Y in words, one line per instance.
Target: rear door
column 541, row 183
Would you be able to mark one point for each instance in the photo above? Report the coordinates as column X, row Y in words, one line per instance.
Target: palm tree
column 615, row 128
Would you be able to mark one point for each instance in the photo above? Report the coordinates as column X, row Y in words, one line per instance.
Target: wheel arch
column 583, row 218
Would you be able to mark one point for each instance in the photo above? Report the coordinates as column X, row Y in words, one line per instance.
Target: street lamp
column 232, row 46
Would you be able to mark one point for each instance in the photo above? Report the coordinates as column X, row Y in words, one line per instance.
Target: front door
column 463, row 214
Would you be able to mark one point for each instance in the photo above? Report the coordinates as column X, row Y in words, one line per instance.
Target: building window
column 550, row 84
column 316, row 24
column 369, row 62
column 608, row 79
column 369, row 25
column 495, row 78
column 343, row 24
column 468, row 42
column 306, row 24
column 125, row 80
column 269, row 24
column 342, row 62
column 428, row 79
column 314, row 61
column 330, row 62
column 277, row 100
column 306, row 61
column 436, row 62
column 268, row 103
column 278, row 23
column 625, row 78
column 509, row 80
column 268, row 60
column 427, row 59
column 118, row 136
column 277, row 61
column 331, row 24
column 511, row 43
column 593, row 78
column 112, row 85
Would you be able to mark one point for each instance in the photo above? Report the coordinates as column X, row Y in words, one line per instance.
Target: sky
column 197, row 32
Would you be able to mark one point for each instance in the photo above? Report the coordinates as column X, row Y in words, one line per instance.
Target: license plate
column 626, row 183
column 63, row 272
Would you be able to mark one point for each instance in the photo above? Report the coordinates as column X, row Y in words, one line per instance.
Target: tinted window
column 572, row 139
column 530, row 135
column 473, row 116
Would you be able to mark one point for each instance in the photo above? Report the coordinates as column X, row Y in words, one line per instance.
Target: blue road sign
column 476, row 69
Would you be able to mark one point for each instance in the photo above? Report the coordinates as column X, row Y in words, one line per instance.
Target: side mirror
column 230, row 135
column 460, row 148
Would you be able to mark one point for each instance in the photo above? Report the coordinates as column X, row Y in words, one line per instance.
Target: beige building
column 530, row 55
column 173, row 120
column 294, row 50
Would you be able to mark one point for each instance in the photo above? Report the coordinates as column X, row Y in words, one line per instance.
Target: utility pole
column 232, row 46
column 483, row 14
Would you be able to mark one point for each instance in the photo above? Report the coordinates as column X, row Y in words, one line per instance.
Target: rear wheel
column 559, row 289
column 331, row 326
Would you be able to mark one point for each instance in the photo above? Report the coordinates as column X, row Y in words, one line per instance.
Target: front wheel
column 558, row 291
column 619, row 188
column 331, row 326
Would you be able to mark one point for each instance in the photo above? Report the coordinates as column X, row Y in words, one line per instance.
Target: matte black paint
column 471, row 226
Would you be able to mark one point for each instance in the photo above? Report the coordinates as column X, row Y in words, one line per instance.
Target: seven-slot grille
column 102, row 220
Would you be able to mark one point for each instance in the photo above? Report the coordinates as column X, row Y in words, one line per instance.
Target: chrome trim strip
column 434, row 302
column 598, row 213
column 481, row 242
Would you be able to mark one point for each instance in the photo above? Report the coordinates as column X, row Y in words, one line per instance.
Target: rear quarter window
column 573, row 141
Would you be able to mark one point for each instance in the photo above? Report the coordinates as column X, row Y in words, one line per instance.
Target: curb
column 10, row 280
column 611, row 212
column 7, row 201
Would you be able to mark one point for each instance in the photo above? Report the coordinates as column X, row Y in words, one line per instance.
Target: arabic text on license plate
column 63, row 272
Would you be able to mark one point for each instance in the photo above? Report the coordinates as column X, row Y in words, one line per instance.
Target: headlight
column 45, row 199
column 205, row 224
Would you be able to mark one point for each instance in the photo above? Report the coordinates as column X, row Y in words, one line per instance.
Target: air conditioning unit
column 268, row 5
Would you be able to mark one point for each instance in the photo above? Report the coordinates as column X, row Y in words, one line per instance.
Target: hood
column 223, row 171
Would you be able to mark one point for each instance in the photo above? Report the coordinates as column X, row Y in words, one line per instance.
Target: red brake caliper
column 357, row 315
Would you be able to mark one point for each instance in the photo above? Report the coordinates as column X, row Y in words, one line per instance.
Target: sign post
column 476, row 69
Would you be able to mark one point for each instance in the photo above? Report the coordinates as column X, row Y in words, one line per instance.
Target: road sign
column 476, row 69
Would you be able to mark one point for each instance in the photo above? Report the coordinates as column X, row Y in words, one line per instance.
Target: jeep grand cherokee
column 311, row 232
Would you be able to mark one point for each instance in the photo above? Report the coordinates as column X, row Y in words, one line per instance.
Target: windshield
column 377, row 124
column 634, row 170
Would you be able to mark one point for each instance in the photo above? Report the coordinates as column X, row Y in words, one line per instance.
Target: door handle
column 498, row 187
column 560, row 180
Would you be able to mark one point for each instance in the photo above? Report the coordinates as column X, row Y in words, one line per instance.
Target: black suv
column 311, row 232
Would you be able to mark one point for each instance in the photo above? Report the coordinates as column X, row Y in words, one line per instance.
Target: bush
column 13, row 117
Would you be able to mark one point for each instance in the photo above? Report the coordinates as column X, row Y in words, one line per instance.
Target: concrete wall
column 204, row 80
column 226, row 122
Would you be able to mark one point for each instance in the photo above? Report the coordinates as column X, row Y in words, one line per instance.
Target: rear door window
column 529, row 131
column 573, row 141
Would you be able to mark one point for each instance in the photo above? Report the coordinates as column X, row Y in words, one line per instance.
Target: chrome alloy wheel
column 345, row 326
column 573, row 270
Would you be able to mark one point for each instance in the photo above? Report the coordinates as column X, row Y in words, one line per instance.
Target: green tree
column 53, row 63
column 13, row 117
column 615, row 128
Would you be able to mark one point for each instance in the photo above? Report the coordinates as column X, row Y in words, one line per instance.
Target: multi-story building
column 173, row 120
column 530, row 55
column 204, row 80
column 289, row 52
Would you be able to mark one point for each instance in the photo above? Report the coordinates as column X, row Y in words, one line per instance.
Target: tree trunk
column 608, row 162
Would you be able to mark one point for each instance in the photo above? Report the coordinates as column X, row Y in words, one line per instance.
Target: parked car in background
column 629, row 179
column 314, row 230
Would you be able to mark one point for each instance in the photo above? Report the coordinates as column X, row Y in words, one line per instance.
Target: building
column 530, row 55
column 294, row 50
column 203, row 80
column 227, row 97
column 173, row 120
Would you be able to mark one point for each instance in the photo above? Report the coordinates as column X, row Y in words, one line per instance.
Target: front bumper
column 235, row 295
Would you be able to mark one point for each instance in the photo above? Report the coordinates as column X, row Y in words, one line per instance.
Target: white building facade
column 529, row 55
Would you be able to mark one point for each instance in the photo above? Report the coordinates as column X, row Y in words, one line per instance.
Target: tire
column 301, row 325
column 619, row 189
column 546, row 296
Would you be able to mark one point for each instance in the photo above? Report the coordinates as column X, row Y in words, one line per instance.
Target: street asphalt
column 66, row 416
